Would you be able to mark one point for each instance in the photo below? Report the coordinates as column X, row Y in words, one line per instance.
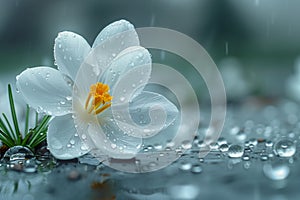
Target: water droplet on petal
column 122, row 98
column 72, row 141
column 83, row 136
column 69, row 98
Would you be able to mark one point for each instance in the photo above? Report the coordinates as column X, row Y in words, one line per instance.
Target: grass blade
column 10, row 128
column 6, row 137
column 5, row 130
column 5, row 140
column 26, row 120
column 39, row 129
column 13, row 114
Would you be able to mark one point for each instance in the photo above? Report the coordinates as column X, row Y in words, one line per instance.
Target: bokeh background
column 255, row 43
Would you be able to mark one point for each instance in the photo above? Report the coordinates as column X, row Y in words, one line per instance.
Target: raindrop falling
column 226, row 48
column 235, row 151
column 285, row 148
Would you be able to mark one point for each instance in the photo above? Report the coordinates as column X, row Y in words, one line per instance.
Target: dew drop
column 224, row 147
column 84, row 147
column 83, row 136
column 235, row 151
column 246, row 158
column 133, row 85
column 269, row 143
column 122, row 98
column 113, row 146
column 59, row 46
column 69, row 98
column 285, row 148
column 186, row 144
column 72, row 141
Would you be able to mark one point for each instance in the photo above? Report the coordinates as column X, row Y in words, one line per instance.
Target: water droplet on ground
column 285, row 148
column 196, row 169
column 235, row 151
column 224, row 147
column 185, row 166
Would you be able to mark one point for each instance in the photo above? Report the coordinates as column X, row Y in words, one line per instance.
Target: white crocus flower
column 97, row 96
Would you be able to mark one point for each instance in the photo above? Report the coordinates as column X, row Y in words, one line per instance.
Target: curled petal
column 70, row 50
column 62, row 138
column 46, row 90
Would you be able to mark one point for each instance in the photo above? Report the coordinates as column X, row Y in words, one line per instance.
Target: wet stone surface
column 256, row 157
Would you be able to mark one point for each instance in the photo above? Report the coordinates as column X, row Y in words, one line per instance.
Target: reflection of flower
column 93, row 86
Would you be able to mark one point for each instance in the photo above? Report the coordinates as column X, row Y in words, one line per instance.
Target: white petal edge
column 70, row 50
column 117, row 28
column 46, row 90
column 62, row 140
column 112, row 40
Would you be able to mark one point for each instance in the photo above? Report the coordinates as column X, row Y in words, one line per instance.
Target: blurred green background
column 263, row 36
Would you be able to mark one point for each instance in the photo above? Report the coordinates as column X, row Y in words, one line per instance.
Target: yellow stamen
column 98, row 99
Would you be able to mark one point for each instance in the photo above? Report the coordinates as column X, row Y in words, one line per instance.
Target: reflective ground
column 257, row 157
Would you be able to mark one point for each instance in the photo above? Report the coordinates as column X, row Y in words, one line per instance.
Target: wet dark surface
column 261, row 161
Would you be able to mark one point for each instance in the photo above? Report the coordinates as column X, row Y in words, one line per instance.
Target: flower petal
column 70, row 50
column 103, row 136
column 142, row 108
column 112, row 40
column 146, row 115
column 46, row 90
column 128, row 73
column 63, row 142
column 118, row 28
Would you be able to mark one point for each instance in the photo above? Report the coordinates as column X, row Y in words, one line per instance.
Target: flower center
column 98, row 99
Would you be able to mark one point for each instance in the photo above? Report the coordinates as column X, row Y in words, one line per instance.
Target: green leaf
column 27, row 119
column 39, row 129
column 13, row 114
column 10, row 128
